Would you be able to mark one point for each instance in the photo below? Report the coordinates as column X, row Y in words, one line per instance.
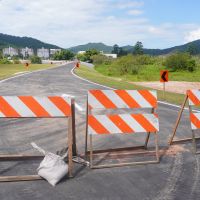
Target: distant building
column 26, row 52
column 111, row 55
column 10, row 51
column 53, row 51
column 43, row 53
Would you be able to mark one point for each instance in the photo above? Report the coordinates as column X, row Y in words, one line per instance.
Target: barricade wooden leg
column 70, row 146
column 74, row 149
column 91, row 152
column 178, row 120
column 147, row 140
column 194, row 142
column 86, row 131
column 157, row 148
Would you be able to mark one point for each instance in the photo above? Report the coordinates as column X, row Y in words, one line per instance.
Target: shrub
column 101, row 59
column 144, row 59
column 36, row 60
column 128, row 65
column 5, row 61
column 180, row 61
column 16, row 60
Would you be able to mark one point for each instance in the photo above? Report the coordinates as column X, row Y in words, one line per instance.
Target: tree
column 89, row 53
column 116, row 49
column 138, row 48
column 122, row 52
column 180, row 61
column 36, row 60
column 63, row 55
column 1, row 54
column 192, row 49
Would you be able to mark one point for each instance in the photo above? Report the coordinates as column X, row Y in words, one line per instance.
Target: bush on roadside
column 36, row 60
column 124, row 65
column 132, row 64
column 101, row 59
column 16, row 60
column 5, row 61
column 180, row 61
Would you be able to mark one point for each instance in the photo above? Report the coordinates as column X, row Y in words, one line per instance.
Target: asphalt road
column 177, row 176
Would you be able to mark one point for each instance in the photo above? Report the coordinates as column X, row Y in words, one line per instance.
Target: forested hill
column 98, row 46
column 20, row 42
column 194, row 46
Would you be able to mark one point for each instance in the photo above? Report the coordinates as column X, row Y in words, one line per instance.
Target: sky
column 67, row 23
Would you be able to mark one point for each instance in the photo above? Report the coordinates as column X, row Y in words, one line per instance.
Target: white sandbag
column 52, row 168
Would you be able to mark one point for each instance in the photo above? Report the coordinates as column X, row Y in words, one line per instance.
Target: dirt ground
column 172, row 86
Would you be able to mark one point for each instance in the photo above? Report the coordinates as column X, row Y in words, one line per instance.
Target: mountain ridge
column 129, row 48
column 21, row 42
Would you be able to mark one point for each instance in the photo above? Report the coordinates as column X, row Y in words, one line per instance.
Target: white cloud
column 193, row 35
column 68, row 23
column 130, row 4
column 135, row 12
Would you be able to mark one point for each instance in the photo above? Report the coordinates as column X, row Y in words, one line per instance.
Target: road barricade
column 193, row 97
column 121, row 123
column 37, row 107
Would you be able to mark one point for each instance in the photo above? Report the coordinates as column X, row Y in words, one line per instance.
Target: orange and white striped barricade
column 36, row 107
column 193, row 97
column 121, row 123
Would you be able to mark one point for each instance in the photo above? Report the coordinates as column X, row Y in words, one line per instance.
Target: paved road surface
column 176, row 177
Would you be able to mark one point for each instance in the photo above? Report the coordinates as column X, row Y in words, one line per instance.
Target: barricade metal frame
column 71, row 145
column 193, row 137
column 91, row 152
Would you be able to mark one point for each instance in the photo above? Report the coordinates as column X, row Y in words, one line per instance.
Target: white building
column 43, row 53
column 53, row 51
column 10, row 51
column 81, row 52
column 111, row 55
column 26, row 52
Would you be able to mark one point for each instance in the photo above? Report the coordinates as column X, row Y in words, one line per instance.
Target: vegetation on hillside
column 191, row 47
column 20, row 42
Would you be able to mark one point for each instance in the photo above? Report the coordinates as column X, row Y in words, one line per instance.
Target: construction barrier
column 193, row 97
column 37, row 107
column 121, row 123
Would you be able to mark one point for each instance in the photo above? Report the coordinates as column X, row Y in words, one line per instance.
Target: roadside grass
column 151, row 73
column 120, row 83
column 8, row 70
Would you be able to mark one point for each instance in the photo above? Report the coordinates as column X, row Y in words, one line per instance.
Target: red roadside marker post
column 164, row 77
column 27, row 65
column 77, row 64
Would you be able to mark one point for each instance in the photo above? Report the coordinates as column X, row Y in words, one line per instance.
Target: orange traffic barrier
column 106, row 124
column 37, row 107
column 193, row 97
column 78, row 64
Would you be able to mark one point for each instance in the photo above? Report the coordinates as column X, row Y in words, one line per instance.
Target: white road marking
column 23, row 72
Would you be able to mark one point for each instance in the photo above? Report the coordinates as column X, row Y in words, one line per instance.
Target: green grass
column 121, row 83
column 151, row 73
column 7, row 70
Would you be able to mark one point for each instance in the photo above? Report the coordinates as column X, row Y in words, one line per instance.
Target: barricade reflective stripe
column 33, row 106
column 194, row 97
column 122, row 123
column 111, row 99
column 195, row 120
